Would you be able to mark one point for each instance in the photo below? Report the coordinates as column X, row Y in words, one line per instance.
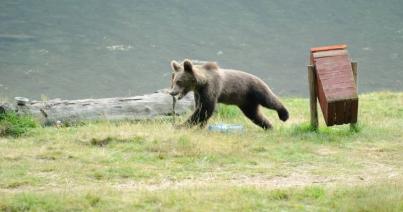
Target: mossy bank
column 150, row 165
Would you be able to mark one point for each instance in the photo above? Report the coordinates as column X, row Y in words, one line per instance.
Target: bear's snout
column 173, row 93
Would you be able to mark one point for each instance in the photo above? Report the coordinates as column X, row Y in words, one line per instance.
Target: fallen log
column 58, row 111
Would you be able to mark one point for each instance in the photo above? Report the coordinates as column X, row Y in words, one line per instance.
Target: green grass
column 149, row 165
column 378, row 197
column 13, row 124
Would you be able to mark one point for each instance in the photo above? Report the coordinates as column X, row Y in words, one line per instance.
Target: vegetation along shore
column 149, row 165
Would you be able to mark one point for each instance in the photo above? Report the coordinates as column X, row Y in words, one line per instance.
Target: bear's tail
column 283, row 114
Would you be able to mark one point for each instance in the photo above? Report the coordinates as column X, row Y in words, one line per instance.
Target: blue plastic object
column 226, row 128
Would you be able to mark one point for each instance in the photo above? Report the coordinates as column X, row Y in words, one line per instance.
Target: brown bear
column 212, row 84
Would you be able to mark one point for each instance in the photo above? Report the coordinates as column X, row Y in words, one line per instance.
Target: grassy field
column 149, row 165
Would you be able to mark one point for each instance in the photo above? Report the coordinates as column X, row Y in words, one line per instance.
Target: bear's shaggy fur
column 211, row 84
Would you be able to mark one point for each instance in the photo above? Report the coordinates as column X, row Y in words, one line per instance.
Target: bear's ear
column 211, row 66
column 175, row 66
column 188, row 66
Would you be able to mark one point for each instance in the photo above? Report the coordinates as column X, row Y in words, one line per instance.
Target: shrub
column 13, row 124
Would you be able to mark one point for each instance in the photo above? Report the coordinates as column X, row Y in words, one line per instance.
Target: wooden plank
column 354, row 111
column 337, row 85
column 338, row 82
column 322, row 99
column 354, row 66
column 347, row 110
column 327, row 94
column 340, row 108
column 327, row 48
column 335, row 69
column 331, row 113
column 322, row 54
column 340, row 96
column 313, row 96
column 333, row 92
column 354, row 105
column 337, row 77
column 332, row 62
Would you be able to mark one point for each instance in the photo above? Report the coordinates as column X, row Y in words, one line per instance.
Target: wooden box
column 336, row 86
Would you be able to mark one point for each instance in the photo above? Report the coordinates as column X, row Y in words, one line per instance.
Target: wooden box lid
column 334, row 72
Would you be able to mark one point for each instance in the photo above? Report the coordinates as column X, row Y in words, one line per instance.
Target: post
column 354, row 65
column 313, row 96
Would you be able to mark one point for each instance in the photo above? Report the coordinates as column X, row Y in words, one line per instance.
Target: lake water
column 97, row 48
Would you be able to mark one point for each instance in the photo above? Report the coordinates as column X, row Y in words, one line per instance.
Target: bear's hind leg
column 272, row 102
column 252, row 112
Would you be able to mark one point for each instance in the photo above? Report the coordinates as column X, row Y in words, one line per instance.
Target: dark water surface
column 80, row 49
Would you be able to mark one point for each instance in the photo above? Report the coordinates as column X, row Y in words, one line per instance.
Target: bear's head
column 183, row 78
column 187, row 77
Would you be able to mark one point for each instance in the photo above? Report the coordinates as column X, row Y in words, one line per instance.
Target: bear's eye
column 179, row 82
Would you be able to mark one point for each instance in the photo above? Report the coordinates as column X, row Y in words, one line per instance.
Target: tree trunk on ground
column 120, row 108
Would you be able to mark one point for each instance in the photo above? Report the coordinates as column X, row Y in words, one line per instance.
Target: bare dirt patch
column 300, row 178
